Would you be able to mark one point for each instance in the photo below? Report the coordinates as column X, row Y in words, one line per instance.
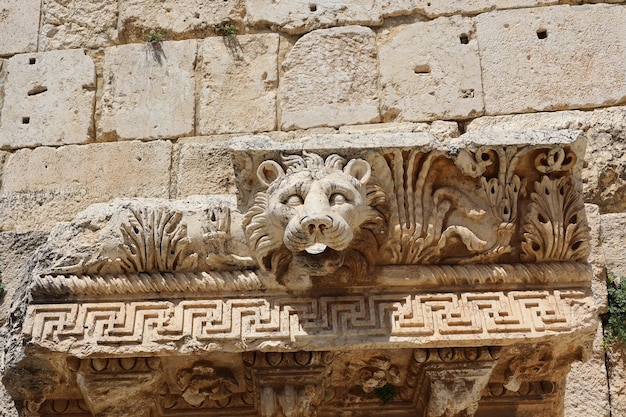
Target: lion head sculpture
column 317, row 217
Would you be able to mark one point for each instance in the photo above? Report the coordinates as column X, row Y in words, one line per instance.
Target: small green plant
column 155, row 35
column 227, row 29
column 386, row 393
column 615, row 326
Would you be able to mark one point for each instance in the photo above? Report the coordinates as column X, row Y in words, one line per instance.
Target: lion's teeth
column 316, row 248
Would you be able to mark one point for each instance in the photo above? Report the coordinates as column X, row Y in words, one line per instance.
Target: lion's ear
column 268, row 172
column 359, row 169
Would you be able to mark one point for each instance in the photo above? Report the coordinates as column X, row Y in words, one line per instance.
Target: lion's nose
column 313, row 224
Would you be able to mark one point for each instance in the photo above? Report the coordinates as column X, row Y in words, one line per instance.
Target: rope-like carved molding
column 415, row 276
column 398, row 320
column 146, row 283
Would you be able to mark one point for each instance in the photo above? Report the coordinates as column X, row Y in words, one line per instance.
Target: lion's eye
column 337, row 199
column 294, row 200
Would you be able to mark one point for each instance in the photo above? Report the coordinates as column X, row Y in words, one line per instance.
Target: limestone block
column 44, row 186
column 302, row 16
column 614, row 242
column 176, row 19
column 238, row 84
column 617, row 380
column 434, row 8
column 15, row 249
column 439, row 128
column 552, row 58
column 397, row 7
column 596, row 258
column 431, row 70
column 148, row 91
column 19, row 22
column 587, row 388
column 604, row 176
column 77, row 24
column 203, row 168
column 48, row 99
column 330, row 79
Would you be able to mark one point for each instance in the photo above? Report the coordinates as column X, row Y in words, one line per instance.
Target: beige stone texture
column 148, row 91
column 176, row 19
column 552, row 58
column 203, row 168
column 617, row 379
column 440, row 129
column 391, row 8
column 434, row 8
column 430, row 70
column 48, row 99
column 302, row 16
column 19, row 23
column 238, row 78
column 77, row 24
column 15, row 250
column 330, row 79
column 604, row 176
column 587, row 388
column 614, row 242
column 596, row 257
column 46, row 185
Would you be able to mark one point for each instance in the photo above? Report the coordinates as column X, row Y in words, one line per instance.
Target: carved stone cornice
column 349, row 273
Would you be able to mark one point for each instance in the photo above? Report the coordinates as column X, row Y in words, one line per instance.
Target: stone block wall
column 139, row 98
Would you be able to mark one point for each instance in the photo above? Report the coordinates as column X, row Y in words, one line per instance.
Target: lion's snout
column 316, row 224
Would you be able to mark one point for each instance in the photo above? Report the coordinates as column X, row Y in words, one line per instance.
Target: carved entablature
column 349, row 271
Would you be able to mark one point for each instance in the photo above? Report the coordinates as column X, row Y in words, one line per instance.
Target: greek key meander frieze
column 240, row 323
column 349, row 274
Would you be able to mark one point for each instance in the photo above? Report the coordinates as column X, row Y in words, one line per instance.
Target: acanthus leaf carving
column 555, row 226
column 205, row 381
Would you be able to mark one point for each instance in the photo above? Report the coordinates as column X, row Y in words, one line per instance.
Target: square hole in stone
column 542, row 33
column 31, row 61
column 464, row 39
column 25, row 120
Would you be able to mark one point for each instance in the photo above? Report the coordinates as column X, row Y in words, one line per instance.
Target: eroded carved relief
column 555, row 227
column 205, row 381
column 316, row 217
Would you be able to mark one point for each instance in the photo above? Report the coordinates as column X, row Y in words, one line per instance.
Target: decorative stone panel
column 48, row 99
column 350, row 274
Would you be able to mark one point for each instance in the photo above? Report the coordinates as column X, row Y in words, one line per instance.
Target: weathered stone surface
column 614, row 242
column 433, row 8
column 604, row 176
column 48, row 99
column 300, row 16
column 330, row 79
column 15, row 249
column 587, row 389
column 440, row 129
column 203, row 168
column 617, row 381
column 46, row 185
column 148, row 91
column 552, row 58
column 238, row 84
column 176, row 19
column 596, row 257
column 77, row 24
column 19, row 23
column 430, row 70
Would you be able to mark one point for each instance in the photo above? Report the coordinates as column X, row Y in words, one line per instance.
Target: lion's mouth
column 316, row 248
column 319, row 259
